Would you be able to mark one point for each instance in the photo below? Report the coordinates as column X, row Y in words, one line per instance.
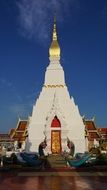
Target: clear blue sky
column 24, row 41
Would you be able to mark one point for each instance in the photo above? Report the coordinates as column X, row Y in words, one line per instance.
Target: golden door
column 56, row 142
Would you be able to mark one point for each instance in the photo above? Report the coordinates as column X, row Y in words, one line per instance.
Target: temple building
column 6, row 141
column 19, row 133
column 92, row 134
column 17, row 136
column 55, row 117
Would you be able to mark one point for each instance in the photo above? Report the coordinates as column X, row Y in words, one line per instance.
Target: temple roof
column 11, row 132
column 20, row 131
column 21, row 126
column 92, row 130
column 90, row 125
column 5, row 138
column 94, row 135
column 103, row 132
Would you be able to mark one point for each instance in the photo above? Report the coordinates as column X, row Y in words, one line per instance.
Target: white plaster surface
column 54, row 99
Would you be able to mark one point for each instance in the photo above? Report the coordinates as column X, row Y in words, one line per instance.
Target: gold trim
column 54, row 86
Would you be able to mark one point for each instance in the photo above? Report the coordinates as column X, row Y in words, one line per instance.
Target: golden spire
column 54, row 30
column 54, row 50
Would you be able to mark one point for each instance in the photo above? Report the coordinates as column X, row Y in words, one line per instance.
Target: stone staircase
column 56, row 161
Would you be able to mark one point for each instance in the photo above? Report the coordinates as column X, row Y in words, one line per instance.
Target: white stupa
column 55, row 116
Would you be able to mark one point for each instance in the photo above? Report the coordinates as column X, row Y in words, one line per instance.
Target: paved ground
column 10, row 181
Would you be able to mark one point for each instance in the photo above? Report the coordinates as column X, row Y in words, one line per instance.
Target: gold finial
column 54, row 29
column 54, row 50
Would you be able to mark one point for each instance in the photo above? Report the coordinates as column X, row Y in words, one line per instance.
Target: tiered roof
column 5, row 138
column 11, row 132
column 103, row 132
column 19, row 134
column 92, row 131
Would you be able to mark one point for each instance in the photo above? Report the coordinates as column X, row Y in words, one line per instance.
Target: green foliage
column 101, row 159
column 103, row 145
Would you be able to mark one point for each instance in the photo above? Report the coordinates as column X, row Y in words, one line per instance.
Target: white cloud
column 21, row 109
column 3, row 82
column 35, row 15
column 17, row 109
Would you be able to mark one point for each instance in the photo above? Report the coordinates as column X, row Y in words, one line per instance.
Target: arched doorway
column 56, row 136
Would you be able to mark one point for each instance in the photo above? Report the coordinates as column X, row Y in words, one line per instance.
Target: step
column 57, row 161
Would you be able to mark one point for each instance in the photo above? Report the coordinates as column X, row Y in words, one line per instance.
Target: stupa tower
column 55, row 116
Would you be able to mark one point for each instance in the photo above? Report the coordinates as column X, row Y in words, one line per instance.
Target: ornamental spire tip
column 54, row 50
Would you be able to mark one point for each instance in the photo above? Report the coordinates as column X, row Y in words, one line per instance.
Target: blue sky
column 25, row 36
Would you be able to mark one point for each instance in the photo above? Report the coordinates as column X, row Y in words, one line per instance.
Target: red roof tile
column 93, row 135
column 90, row 125
column 20, row 130
column 5, row 138
column 19, row 136
column 22, row 126
column 102, row 130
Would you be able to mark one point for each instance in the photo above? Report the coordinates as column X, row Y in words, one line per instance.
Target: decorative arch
column 56, row 125
column 55, row 122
